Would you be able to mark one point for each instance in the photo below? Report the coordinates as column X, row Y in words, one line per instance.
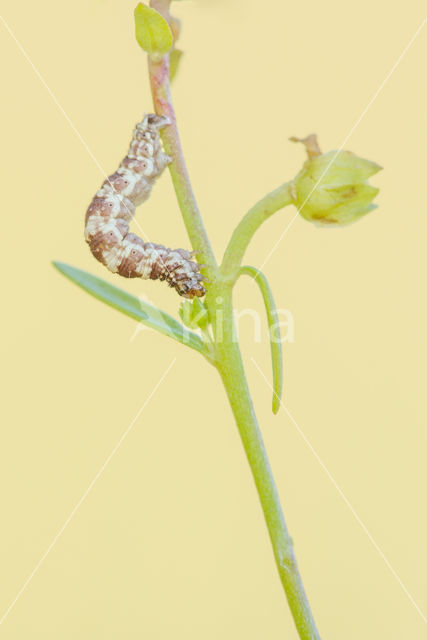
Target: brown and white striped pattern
column 113, row 207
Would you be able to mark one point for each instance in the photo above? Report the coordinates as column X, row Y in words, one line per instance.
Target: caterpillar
column 113, row 207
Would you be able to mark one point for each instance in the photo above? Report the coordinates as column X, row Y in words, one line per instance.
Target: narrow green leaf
column 152, row 31
column 274, row 330
column 174, row 61
column 131, row 306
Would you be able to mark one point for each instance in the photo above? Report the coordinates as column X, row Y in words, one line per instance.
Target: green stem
column 250, row 223
column 160, row 88
column 227, row 353
column 230, row 366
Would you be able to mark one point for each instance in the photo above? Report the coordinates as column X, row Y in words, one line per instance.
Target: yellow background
column 170, row 542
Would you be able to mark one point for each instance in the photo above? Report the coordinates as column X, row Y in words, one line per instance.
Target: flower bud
column 332, row 187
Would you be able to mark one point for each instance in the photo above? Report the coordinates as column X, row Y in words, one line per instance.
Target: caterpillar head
column 190, row 290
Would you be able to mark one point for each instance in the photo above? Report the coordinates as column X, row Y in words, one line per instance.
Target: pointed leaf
column 152, row 31
column 174, row 61
column 131, row 306
column 194, row 314
column 274, row 330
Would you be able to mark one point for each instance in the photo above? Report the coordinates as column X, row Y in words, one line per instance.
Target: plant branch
column 245, row 230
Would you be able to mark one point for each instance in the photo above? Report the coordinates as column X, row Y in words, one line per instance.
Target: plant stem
column 159, row 78
column 227, row 353
column 243, row 233
column 230, row 367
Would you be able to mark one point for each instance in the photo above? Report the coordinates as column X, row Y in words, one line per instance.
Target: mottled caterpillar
column 113, row 207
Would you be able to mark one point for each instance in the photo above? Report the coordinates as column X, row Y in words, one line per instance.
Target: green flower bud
column 332, row 187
